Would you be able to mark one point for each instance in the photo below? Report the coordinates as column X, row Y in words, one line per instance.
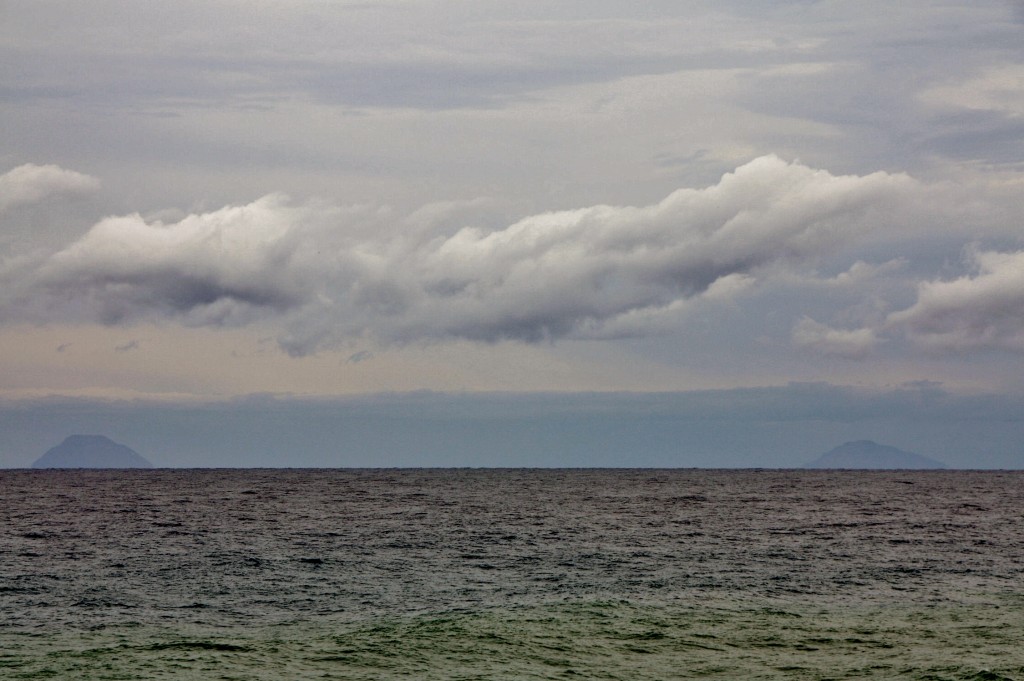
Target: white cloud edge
column 30, row 184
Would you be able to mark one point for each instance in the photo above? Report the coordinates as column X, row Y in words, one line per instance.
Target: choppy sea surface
column 511, row 574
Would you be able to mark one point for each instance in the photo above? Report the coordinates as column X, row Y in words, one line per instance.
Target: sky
column 459, row 233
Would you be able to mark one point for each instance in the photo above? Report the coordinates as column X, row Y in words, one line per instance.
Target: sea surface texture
column 511, row 574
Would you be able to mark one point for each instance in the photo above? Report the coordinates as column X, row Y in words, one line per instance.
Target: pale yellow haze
column 173, row 363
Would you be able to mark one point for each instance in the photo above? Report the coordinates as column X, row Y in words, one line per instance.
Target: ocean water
column 511, row 574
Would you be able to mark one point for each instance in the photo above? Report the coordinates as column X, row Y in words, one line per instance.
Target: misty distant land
column 865, row 454
column 91, row 451
column 99, row 451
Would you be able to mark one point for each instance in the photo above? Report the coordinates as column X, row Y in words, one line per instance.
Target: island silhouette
column 91, row 451
column 865, row 454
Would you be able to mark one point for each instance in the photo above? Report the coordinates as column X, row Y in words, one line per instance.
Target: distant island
column 91, row 451
column 865, row 454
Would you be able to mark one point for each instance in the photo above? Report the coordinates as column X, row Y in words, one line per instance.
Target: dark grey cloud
column 361, row 356
column 1018, row 10
column 127, row 346
column 982, row 311
column 403, row 55
column 990, row 136
column 978, row 311
column 866, row 77
column 178, row 83
column 220, row 88
column 326, row 275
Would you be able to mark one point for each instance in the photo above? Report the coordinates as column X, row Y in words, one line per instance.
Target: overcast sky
column 702, row 202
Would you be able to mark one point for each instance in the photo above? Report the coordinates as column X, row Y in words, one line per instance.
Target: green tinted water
column 598, row 640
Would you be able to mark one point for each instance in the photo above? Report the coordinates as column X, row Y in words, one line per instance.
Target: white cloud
column 226, row 267
column 29, row 183
column 980, row 312
column 326, row 275
column 825, row 340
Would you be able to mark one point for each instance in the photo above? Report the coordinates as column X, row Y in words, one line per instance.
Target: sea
column 511, row 574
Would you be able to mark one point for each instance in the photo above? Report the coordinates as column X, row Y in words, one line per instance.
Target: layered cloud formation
column 328, row 274
column 319, row 275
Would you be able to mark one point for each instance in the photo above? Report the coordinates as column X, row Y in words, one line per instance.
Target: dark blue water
column 625, row 574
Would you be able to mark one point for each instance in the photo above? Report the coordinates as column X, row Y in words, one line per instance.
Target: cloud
column 401, row 55
column 327, row 275
column 361, row 356
column 997, row 88
column 825, row 340
column 226, row 267
column 980, row 312
column 127, row 347
column 29, row 183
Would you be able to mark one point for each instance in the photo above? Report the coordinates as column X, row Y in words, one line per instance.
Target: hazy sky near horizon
column 206, row 200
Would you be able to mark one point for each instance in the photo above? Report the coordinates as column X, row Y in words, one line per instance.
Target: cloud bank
column 328, row 274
